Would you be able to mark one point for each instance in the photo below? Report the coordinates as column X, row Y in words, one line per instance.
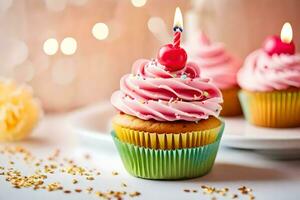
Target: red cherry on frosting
column 274, row 45
column 173, row 58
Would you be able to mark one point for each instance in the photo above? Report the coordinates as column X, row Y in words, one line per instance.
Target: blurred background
column 73, row 52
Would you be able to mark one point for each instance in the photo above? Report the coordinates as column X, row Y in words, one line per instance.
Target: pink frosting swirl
column 151, row 92
column 215, row 62
column 262, row 72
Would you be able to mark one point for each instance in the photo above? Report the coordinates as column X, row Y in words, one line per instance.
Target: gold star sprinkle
column 114, row 173
column 245, row 190
column 74, row 181
column 78, row 190
column 134, row 194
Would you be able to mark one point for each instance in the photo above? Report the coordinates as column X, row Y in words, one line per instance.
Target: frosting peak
column 262, row 72
column 215, row 62
column 153, row 92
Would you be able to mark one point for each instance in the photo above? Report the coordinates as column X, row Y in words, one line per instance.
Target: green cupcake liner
column 168, row 164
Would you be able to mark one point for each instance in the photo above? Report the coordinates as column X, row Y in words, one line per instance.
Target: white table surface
column 269, row 179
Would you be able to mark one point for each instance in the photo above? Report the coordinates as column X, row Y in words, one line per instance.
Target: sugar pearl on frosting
column 205, row 93
column 153, row 64
column 183, row 76
column 142, row 101
column 139, row 77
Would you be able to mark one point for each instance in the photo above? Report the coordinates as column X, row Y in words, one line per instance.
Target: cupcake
column 270, row 82
column 216, row 63
column 168, row 125
column 167, row 120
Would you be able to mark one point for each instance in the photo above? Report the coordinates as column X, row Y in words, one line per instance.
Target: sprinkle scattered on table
column 114, row 173
column 214, row 192
column 54, row 164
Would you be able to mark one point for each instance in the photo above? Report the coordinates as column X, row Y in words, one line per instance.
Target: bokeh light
column 68, row 46
column 50, row 46
column 13, row 52
column 156, row 24
column 100, row 31
column 138, row 3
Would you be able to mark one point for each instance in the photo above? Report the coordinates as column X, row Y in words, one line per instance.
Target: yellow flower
column 19, row 111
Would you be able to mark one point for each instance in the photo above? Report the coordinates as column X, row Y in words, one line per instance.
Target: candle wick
column 177, row 29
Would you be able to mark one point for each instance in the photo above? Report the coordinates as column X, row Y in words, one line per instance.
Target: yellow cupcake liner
column 167, row 140
column 278, row 109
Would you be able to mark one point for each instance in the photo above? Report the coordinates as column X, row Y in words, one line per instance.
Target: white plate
column 278, row 142
column 92, row 125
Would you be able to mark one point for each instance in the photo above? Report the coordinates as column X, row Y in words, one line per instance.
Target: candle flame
column 286, row 34
column 178, row 21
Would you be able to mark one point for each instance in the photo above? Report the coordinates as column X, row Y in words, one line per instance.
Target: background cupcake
column 216, row 63
column 270, row 79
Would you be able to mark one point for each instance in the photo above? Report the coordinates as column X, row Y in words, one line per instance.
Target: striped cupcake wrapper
column 167, row 140
column 278, row 109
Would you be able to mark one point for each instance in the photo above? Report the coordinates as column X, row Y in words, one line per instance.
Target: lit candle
column 172, row 56
column 177, row 28
column 281, row 45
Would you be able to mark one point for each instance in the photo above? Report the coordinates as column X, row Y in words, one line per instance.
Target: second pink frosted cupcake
column 216, row 63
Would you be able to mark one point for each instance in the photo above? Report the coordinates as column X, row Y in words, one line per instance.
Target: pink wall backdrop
column 64, row 82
